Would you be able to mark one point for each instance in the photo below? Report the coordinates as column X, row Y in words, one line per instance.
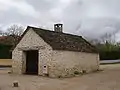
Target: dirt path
column 109, row 79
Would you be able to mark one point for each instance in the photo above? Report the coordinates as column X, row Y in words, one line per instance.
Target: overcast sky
column 90, row 18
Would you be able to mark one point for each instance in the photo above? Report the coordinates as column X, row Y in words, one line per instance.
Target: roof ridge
column 54, row 31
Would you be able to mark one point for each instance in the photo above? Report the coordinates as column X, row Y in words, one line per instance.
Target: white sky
column 90, row 18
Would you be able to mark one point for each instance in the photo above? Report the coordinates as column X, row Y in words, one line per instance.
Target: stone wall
column 66, row 63
column 17, row 61
column 31, row 41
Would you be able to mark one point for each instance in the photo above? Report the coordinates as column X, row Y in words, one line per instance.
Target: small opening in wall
column 44, row 66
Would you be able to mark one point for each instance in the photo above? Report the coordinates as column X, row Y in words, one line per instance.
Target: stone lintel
column 31, row 48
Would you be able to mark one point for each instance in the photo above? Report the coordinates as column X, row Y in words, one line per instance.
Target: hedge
column 5, row 52
column 109, row 55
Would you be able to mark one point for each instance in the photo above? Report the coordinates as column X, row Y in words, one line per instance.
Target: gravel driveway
column 109, row 79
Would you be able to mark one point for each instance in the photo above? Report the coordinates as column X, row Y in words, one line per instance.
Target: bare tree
column 15, row 30
column 109, row 37
column 1, row 33
column 14, row 33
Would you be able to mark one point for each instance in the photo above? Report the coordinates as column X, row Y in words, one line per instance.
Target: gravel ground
column 108, row 79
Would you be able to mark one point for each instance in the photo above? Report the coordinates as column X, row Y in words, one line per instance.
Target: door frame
column 24, row 61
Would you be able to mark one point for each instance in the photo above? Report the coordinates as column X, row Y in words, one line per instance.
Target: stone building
column 53, row 53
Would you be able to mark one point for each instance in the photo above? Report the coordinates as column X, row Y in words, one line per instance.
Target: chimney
column 58, row 27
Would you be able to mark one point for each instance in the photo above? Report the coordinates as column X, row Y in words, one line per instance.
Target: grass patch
column 5, row 62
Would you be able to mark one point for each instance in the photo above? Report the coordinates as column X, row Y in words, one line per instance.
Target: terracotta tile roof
column 8, row 40
column 2, row 37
